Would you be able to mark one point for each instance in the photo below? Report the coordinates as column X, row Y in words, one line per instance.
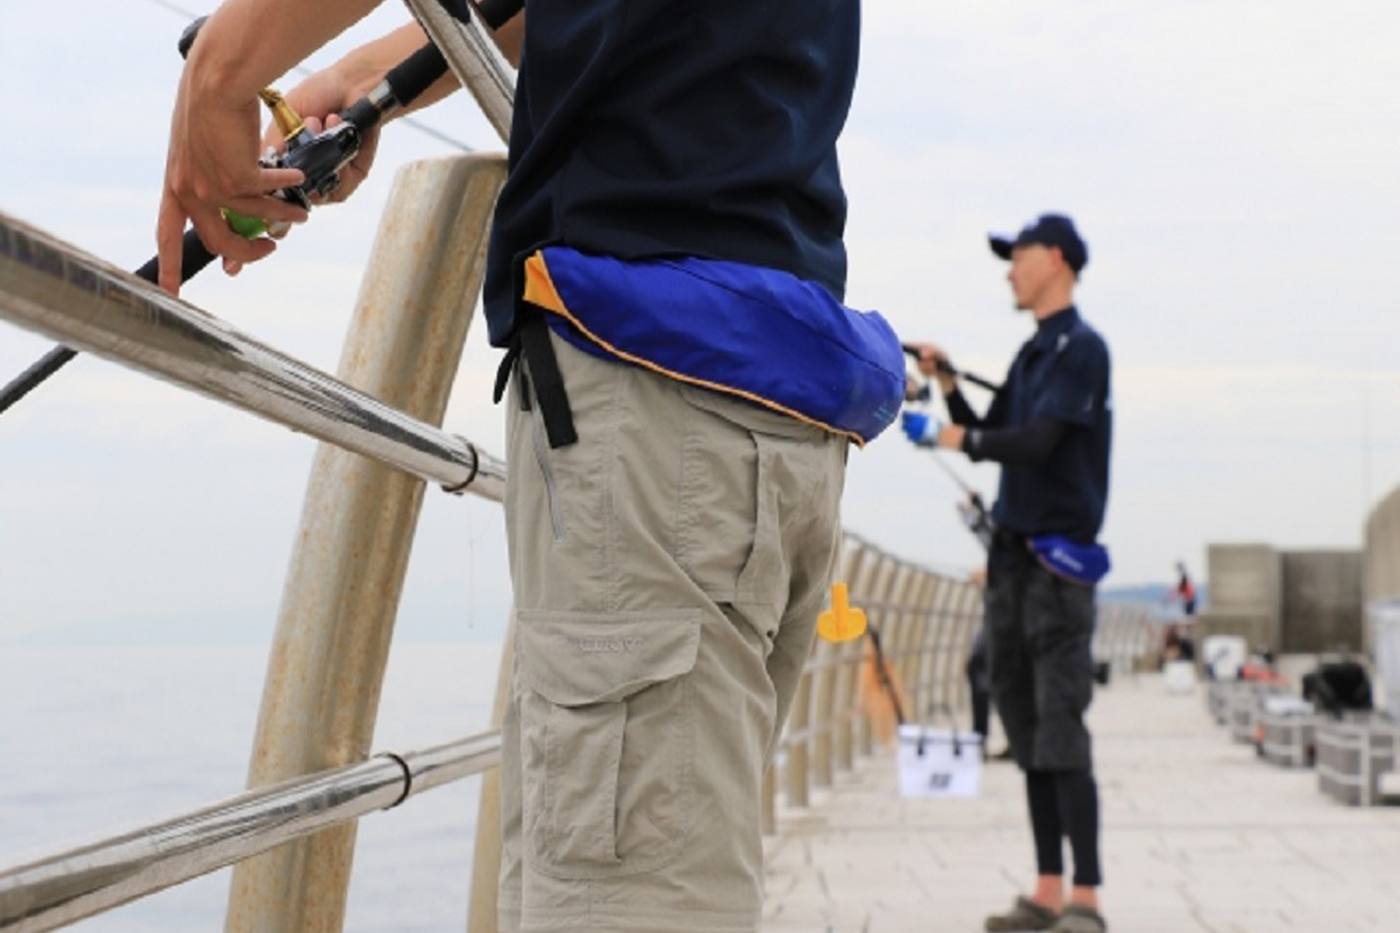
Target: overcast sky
column 1232, row 165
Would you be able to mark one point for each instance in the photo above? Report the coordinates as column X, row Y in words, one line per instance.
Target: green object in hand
column 246, row 227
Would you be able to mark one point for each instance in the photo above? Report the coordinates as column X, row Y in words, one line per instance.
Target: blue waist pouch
column 759, row 334
column 1084, row 564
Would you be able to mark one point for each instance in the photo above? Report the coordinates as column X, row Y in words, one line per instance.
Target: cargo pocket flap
column 577, row 658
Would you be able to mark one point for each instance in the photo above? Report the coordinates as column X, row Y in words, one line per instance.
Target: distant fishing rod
column 319, row 156
column 948, row 369
column 973, row 511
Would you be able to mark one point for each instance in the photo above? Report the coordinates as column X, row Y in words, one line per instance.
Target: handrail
column 474, row 59
column 54, row 288
column 51, row 287
column 88, row 880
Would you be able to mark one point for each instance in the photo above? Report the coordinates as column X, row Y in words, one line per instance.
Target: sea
column 99, row 739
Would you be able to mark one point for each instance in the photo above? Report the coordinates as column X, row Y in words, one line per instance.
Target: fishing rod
column 948, row 369
column 882, row 674
column 973, row 510
column 319, row 156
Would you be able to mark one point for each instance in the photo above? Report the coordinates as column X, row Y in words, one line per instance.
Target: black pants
column 1065, row 803
column 1039, row 629
column 981, row 698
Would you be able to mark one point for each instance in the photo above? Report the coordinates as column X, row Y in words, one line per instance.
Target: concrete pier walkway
column 1199, row 835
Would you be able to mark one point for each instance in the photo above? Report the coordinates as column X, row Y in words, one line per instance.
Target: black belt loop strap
column 505, row 369
column 508, row 364
column 546, row 382
column 531, row 341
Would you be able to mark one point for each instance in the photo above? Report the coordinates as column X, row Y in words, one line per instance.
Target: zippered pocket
column 541, row 444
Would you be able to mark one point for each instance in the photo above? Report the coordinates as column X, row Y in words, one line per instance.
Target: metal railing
column 927, row 622
column 292, row 836
column 95, row 878
column 328, row 656
column 55, row 289
column 342, row 596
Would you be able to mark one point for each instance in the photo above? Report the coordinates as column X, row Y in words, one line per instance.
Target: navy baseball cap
column 1055, row 230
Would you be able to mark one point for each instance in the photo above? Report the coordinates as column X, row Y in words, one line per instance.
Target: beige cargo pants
column 668, row 570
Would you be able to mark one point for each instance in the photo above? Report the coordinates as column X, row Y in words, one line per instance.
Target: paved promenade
column 1198, row 836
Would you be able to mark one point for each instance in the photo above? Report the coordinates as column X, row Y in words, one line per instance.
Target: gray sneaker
column 1077, row 919
column 1024, row 915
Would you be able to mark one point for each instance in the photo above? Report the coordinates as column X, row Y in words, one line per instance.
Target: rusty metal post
column 486, row 858
column 342, row 591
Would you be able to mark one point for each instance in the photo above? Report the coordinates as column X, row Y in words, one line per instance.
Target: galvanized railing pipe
column 474, row 59
column 341, row 596
column 55, row 289
column 72, row 885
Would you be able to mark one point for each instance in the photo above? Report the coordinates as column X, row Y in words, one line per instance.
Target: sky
column 1231, row 164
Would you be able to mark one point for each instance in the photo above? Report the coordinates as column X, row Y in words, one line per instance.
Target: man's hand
column 927, row 431
column 319, row 100
column 212, row 163
column 950, row 436
column 920, row 427
column 930, row 355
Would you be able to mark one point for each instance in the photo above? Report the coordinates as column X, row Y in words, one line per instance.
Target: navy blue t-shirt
column 1061, row 373
column 705, row 128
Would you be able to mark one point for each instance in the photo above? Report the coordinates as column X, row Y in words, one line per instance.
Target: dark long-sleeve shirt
column 1050, row 427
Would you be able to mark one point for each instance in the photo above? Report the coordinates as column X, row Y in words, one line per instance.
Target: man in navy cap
column 1050, row 427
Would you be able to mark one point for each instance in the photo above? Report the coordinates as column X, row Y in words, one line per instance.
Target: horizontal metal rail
column 79, row 883
column 55, row 289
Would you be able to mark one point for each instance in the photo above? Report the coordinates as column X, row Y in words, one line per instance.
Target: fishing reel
column 318, row 156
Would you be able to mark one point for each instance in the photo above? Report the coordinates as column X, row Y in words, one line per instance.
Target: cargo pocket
column 729, row 539
column 606, row 738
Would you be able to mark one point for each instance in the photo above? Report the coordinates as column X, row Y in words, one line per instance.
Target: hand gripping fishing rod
column 972, row 510
column 319, row 156
column 948, row 369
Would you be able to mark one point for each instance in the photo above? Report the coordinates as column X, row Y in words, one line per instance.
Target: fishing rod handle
column 403, row 83
column 194, row 256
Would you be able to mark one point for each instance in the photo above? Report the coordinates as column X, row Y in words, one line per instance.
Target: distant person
column 1050, row 426
column 1185, row 590
column 979, row 687
column 1178, row 645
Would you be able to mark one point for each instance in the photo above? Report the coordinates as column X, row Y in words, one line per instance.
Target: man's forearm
column 510, row 38
column 247, row 44
column 959, row 411
column 366, row 66
column 1028, row 445
column 253, row 42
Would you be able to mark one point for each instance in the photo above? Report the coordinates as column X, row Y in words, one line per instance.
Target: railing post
column 828, row 657
column 943, row 620
column 798, row 774
column 848, row 667
column 882, row 594
column 905, row 624
column 769, row 814
column 342, row 591
column 965, row 624
column 486, row 857
column 925, row 672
